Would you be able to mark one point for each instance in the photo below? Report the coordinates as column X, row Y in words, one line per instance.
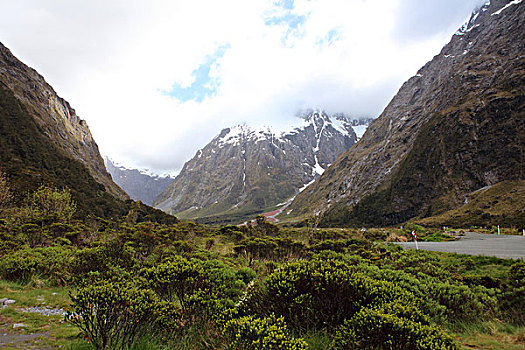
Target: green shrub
column 463, row 302
column 8, row 243
column 436, row 237
column 409, row 227
column 517, row 274
column 210, row 242
column 268, row 333
column 224, row 281
column 335, row 246
column 446, row 299
column 176, row 279
column 318, row 294
column 168, row 319
column 512, row 305
column 50, row 263
column 289, row 249
column 103, row 258
column 256, row 249
column 232, row 232
column 245, row 274
column 113, row 315
column 50, row 205
column 377, row 328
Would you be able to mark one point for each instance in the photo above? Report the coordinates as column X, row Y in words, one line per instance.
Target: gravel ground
column 44, row 311
column 501, row 246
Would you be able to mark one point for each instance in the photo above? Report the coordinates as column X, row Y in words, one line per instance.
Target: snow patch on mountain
column 515, row 2
column 471, row 23
column 344, row 125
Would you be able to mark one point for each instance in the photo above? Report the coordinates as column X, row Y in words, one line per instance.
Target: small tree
column 5, row 193
column 265, row 228
column 113, row 315
column 51, row 204
column 311, row 225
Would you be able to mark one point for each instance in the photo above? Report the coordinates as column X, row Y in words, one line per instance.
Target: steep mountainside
column 139, row 185
column 42, row 141
column 54, row 117
column 244, row 170
column 458, row 125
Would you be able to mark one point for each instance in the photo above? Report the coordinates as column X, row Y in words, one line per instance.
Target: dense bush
column 379, row 328
column 318, row 294
column 203, row 289
column 269, row 333
column 441, row 296
column 48, row 204
column 256, row 249
column 175, row 280
column 46, row 263
column 512, row 299
column 103, row 258
column 113, row 315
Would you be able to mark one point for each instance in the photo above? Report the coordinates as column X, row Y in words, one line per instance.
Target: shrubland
column 142, row 284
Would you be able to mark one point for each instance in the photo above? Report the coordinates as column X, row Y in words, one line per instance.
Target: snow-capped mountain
column 139, row 184
column 245, row 170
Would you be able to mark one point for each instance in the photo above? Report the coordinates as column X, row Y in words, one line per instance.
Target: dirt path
column 501, row 246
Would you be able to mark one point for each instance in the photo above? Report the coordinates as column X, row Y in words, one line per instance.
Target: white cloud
column 113, row 59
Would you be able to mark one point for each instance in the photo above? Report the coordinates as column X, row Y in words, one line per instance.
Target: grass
column 491, row 335
column 27, row 295
column 50, row 331
column 496, row 205
column 437, row 237
column 317, row 341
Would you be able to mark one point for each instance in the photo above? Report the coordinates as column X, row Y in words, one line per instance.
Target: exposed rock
column 45, row 311
column 55, row 116
column 456, row 126
column 245, row 170
column 4, row 302
column 139, row 185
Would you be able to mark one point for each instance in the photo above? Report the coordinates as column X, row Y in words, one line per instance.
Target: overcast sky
column 156, row 80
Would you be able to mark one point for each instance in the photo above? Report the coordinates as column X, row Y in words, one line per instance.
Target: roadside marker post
column 415, row 238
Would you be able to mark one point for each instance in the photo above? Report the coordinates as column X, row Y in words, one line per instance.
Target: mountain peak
column 248, row 169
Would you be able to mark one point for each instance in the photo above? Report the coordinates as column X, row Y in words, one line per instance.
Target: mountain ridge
column 481, row 66
column 250, row 169
column 55, row 116
column 139, row 184
column 44, row 142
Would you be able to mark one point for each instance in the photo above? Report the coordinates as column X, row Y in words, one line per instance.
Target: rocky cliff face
column 456, row 126
column 55, row 117
column 245, row 170
column 139, row 185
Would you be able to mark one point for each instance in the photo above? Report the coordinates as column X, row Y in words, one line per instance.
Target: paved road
column 502, row 246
